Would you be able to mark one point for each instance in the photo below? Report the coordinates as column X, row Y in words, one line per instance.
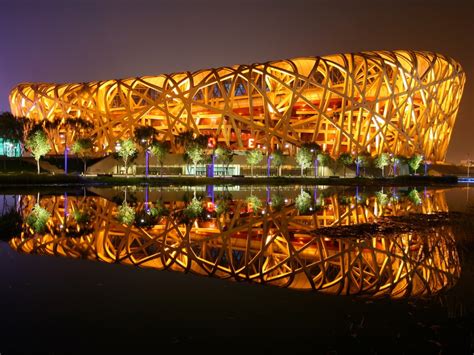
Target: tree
column 304, row 158
column 159, row 150
column 196, row 153
column 37, row 142
column 126, row 150
column 324, row 159
column 382, row 161
column 303, row 202
column 362, row 161
column 314, row 149
column 225, row 156
column 126, row 214
column 144, row 136
column 345, row 159
column 414, row 162
column 253, row 158
column 38, row 218
column 396, row 161
column 82, row 147
column 278, row 158
column 11, row 127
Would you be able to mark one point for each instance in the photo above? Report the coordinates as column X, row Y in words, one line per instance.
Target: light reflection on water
column 305, row 238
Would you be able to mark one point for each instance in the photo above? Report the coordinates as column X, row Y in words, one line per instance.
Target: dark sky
column 84, row 40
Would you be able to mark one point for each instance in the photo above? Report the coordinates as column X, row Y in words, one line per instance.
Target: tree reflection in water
column 341, row 247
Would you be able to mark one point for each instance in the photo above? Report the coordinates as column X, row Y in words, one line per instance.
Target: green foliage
column 303, row 202
column 345, row 159
column 81, row 217
column 126, row 214
column 38, row 144
column 414, row 162
column 224, row 155
column 363, row 160
column 277, row 202
column 144, row 136
column 304, row 158
column 254, row 202
column 324, row 159
column 38, row 218
column 126, row 150
column 194, row 209
column 381, row 161
column 82, row 146
column 159, row 150
column 11, row 127
column 382, row 198
column 278, row 158
column 196, row 154
column 254, row 157
column 414, row 197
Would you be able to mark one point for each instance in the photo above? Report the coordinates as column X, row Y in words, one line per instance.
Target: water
column 321, row 269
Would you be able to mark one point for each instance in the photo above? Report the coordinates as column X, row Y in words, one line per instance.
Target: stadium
column 398, row 102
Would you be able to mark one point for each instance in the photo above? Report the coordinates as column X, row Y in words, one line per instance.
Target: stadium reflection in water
column 340, row 243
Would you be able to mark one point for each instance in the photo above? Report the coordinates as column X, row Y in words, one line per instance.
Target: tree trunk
column 251, row 170
column 344, row 171
column 126, row 168
column 161, row 169
column 301, row 170
column 85, row 166
column 195, row 170
column 383, row 174
column 38, row 165
column 279, row 170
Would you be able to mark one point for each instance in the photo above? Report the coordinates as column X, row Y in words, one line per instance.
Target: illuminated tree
column 254, row 157
column 159, row 150
column 324, row 159
column 38, row 218
column 225, row 156
column 196, row 154
column 37, row 143
column 345, row 159
column 194, row 209
column 303, row 202
column 381, row 161
column 278, row 158
column 82, row 148
column 304, row 158
column 126, row 150
column 254, row 203
column 414, row 162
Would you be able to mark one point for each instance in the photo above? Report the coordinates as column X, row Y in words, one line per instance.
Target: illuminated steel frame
column 399, row 102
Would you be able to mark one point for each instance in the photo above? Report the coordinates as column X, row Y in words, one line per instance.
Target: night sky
column 85, row 40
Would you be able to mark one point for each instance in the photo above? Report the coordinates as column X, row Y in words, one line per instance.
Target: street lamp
column 66, row 151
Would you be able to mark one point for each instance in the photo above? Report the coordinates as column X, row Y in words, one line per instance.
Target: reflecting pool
column 394, row 243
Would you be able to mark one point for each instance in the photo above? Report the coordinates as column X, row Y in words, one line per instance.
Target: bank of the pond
column 28, row 179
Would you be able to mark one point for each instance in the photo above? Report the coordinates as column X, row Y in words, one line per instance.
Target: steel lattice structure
column 276, row 248
column 400, row 102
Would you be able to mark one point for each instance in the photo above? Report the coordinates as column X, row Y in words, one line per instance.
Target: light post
column 269, row 160
column 147, row 159
column 66, row 151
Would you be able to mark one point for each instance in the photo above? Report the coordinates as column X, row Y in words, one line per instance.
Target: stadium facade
column 399, row 102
